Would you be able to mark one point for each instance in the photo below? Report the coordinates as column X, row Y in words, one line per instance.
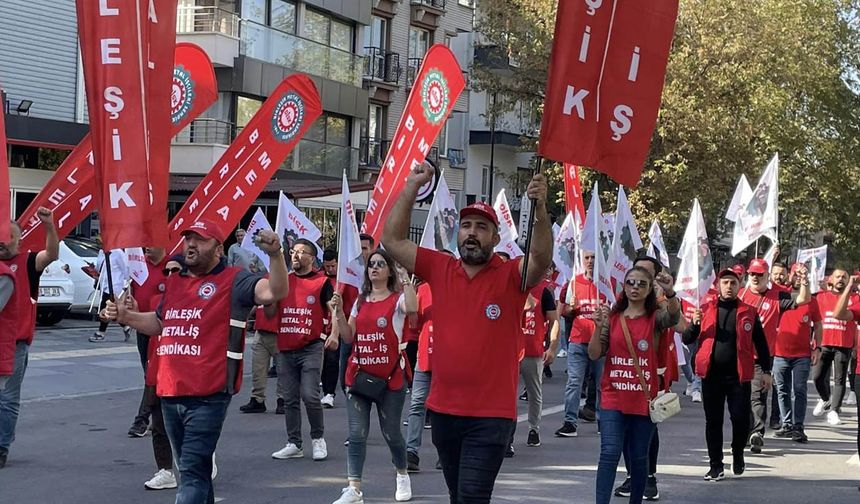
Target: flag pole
column 531, row 224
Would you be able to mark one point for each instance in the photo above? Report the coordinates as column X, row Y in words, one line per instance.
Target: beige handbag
column 665, row 405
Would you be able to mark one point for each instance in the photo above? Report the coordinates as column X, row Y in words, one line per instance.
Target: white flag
column 292, row 224
column 137, row 264
column 507, row 228
column 656, row 248
column 696, row 273
column 595, row 238
column 815, row 260
column 566, row 250
column 741, row 195
column 443, row 221
column 555, row 229
column 758, row 215
column 258, row 223
column 525, row 217
column 350, row 263
column 625, row 242
column 770, row 255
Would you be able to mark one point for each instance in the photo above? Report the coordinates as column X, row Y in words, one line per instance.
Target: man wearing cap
column 769, row 303
column 201, row 326
column 729, row 334
column 478, row 305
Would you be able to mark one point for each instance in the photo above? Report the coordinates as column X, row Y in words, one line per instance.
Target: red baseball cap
column 758, row 266
column 739, row 270
column 481, row 209
column 205, row 228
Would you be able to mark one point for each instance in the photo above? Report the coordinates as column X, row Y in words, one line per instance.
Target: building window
column 443, row 140
column 245, row 110
column 282, row 16
column 485, row 183
column 376, row 35
column 419, row 42
column 325, row 30
column 254, row 10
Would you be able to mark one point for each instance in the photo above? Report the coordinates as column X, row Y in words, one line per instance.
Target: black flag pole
column 527, row 250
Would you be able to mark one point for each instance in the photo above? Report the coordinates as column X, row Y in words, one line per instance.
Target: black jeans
column 144, row 410
column 653, row 452
column 759, row 404
column 716, row 392
column 471, row 451
column 412, row 356
column 838, row 358
column 330, row 371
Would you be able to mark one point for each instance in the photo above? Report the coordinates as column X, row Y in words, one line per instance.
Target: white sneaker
column 689, row 390
column 404, row 488
column 320, row 449
column 214, row 467
column 562, row 354
column 350, row 495
column 288, row 452
column 163, row 480
column 327, row 401
column 833, row 418
column 697, row 396
column 851, row 400
column 820, row 408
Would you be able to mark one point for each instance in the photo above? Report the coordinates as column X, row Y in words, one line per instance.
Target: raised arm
column 395, row 234
column 540, row 254
column 52, row 240
column 276, row 287
column 841, row 311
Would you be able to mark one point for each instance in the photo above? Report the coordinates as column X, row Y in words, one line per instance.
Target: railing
column 412, row 67
column 433, row 155
column 382, row 65
column 327, row 159
column 372, row 151
column 415, row 233
column 207, row 131
column 196, row 19
column 436, row 4
column 456, row 158
column 285, row 49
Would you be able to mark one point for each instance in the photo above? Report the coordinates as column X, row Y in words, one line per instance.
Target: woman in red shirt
column 376, row 331
column 624, row 405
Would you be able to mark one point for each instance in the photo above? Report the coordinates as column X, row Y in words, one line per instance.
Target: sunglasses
column 377, row 263
column 637, row 283
column 175, row 269
column 756, row 274
column 298, row 252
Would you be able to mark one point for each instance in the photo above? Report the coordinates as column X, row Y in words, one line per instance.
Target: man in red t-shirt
column 840, row 309
column 793, row 358
column 478, row 304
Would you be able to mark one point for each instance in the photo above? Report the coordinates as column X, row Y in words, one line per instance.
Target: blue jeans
column 389, row 412
column 417, row 410
column 692, row 378
column 791, row 373
column 577, row 365
column 10, row 397
column 194, row 425
column 564, row 337
column 615, row 428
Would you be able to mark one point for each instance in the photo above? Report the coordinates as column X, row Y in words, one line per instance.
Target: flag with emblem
column 507, row 228
column 696, row 273
column 625, row 241
column 292, row 224
column 566, row 253
column 595, row 237
column 258, row 223
column 443, row 221
column 350, row 262
column 656, row 248
column 815, row 260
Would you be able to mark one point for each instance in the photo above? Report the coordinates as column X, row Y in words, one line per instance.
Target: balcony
column 427, row 12
column 326, row 159
column 199, row 145
column 372, row 151
column 302, row 55
column 382, row 66
column 495, row 59
column 413, row 65
column 213, row 29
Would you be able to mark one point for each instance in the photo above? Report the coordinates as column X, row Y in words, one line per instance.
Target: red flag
column 573, row 192
column 605, row 80
column 436, row 89
column 113, row 52
column 232, row 185
column 5, row 191
column 70, row 191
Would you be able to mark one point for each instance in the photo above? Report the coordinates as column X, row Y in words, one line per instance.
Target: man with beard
column 477, row 310
column 837, row 343
column 779, row 277
column 201, row 323
column 301, row 342
column 27, row 268
column 769, row 303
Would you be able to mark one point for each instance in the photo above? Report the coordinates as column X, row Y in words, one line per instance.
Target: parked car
column 56, row 294
column 80, row 255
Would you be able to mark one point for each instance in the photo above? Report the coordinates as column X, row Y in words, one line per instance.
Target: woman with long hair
column 376, row 370
column 631, row 330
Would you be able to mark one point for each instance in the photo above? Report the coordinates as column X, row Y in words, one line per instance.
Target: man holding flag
column 478, row 306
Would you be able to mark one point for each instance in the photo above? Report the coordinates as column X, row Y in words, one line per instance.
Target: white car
column 80, row 254
column 56, row 294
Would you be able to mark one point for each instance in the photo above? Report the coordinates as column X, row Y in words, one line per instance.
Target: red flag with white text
column 436, row 89
column 573, row 191
column 605, row 82
column 5, row 191
column 243, row 171
column 70, row 191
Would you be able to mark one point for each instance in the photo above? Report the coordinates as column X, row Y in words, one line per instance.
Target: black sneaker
column 715, row 475
column 587, row 414
column 412, row 461
column 97, row 337
column 756, row 442
column 3, row 457
column 738, row 464
column 510, row 451
column 786, row 431
column 624, row 489
column 547, row 371
column 534, row 438
column 138, row 429
column 253, row 406
column 524, row 396
column 279, row 409
column 651, row 492
column 566, row 430
column 798, row 436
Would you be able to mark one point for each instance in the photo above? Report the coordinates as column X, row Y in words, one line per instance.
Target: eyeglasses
column 377, row 263
column 175, row 269
column 637, row 283
column 298, row 252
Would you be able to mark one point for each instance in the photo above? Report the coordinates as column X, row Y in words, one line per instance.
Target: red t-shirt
column 855, row 310
column 585, row 294
column 425, row 323
column 149, row 294
column 837, row 333
column 620, row 387
column 535, row 323
column 768, row 309
column 474, row 359
column 793, row 337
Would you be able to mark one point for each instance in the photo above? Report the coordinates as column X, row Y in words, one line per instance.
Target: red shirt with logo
column 585, row 294
column 474, row 359
column 621, row 387
column 794, row 334
column 535, row 322
column 302, row 313
column 837, row 333
column 425, row 323
column 8, row 320
column 26, row 293
column 149, row 294
column 767, row 306
column 377, row 346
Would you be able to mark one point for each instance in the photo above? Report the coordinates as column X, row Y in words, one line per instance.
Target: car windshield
column 82, row 248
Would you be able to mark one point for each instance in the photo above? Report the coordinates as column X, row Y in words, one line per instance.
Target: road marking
column 544, row 412
column 93, row 352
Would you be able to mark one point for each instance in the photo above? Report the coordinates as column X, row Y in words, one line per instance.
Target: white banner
column 566, row 253
column 815, row 260
column 595, row 237
column 507, row 228
column 656, row 248
column 136, row 261
column 625, row 241
column 350, row 263
column 758, row 216
column 696, row 273
column 443, row 221
column 258, row 223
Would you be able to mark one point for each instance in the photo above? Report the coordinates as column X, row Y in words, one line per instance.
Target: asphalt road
column 80, row 398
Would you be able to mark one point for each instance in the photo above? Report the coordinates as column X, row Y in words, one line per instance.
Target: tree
column 745, row 80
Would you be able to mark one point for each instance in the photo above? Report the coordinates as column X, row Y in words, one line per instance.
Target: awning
column 294, row 184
